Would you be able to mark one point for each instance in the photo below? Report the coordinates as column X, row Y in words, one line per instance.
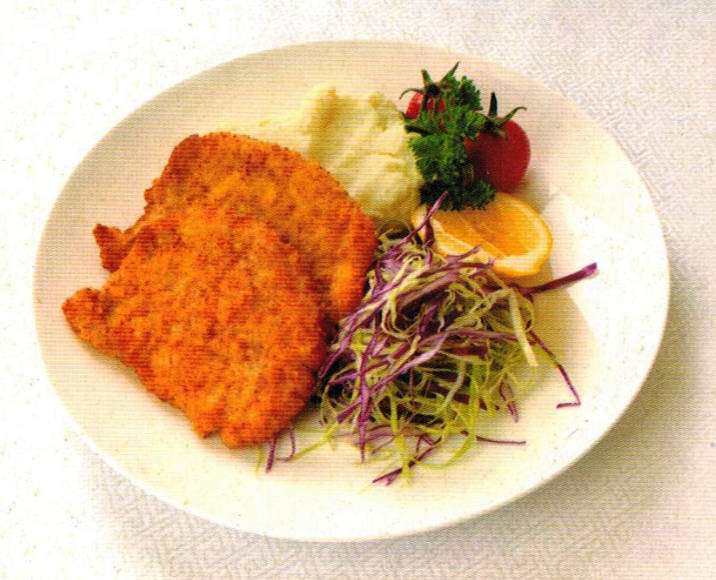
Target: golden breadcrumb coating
column 295, row 196
column 217, row 315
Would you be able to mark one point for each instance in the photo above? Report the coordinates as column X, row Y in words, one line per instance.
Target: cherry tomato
column 413, row 108
column 501, row 160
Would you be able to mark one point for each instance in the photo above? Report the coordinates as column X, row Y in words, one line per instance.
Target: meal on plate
column 345, row 255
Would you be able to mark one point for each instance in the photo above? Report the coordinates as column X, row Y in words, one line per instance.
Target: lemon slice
column 507, row 229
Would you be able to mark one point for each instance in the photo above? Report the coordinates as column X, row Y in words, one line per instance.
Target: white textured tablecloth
column 641, row 504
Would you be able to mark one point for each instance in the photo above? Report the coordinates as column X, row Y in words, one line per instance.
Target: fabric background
column 639, row 505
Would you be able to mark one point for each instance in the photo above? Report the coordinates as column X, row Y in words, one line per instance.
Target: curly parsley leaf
column 439, row 142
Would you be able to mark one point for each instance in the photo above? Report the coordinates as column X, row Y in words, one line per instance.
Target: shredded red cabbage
column 433, row 348
column 429, row 350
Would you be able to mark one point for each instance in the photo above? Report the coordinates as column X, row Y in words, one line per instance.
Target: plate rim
column 392, row 45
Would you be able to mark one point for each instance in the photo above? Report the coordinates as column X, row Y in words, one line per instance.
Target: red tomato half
column 500, row 160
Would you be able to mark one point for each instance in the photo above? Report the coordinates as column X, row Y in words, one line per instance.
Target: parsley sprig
column 450, row 111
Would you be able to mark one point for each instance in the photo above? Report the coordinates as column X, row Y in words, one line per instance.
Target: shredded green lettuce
column 434, row 346
column 438, row 344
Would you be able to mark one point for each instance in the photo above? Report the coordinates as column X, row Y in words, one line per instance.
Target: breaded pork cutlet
column 217, row 315
column 295, row 196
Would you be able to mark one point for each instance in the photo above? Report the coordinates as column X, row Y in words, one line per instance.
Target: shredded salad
column 435, row 346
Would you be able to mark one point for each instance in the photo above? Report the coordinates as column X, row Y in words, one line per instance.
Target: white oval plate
column 606, row 329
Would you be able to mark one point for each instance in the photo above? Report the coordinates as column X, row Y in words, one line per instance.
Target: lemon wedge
column 508, row 230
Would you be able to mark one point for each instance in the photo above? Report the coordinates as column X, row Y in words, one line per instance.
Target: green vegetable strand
column 432, row 350
column 451, row 111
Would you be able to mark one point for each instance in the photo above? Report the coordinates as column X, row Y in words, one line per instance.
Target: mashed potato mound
column 360, row 140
